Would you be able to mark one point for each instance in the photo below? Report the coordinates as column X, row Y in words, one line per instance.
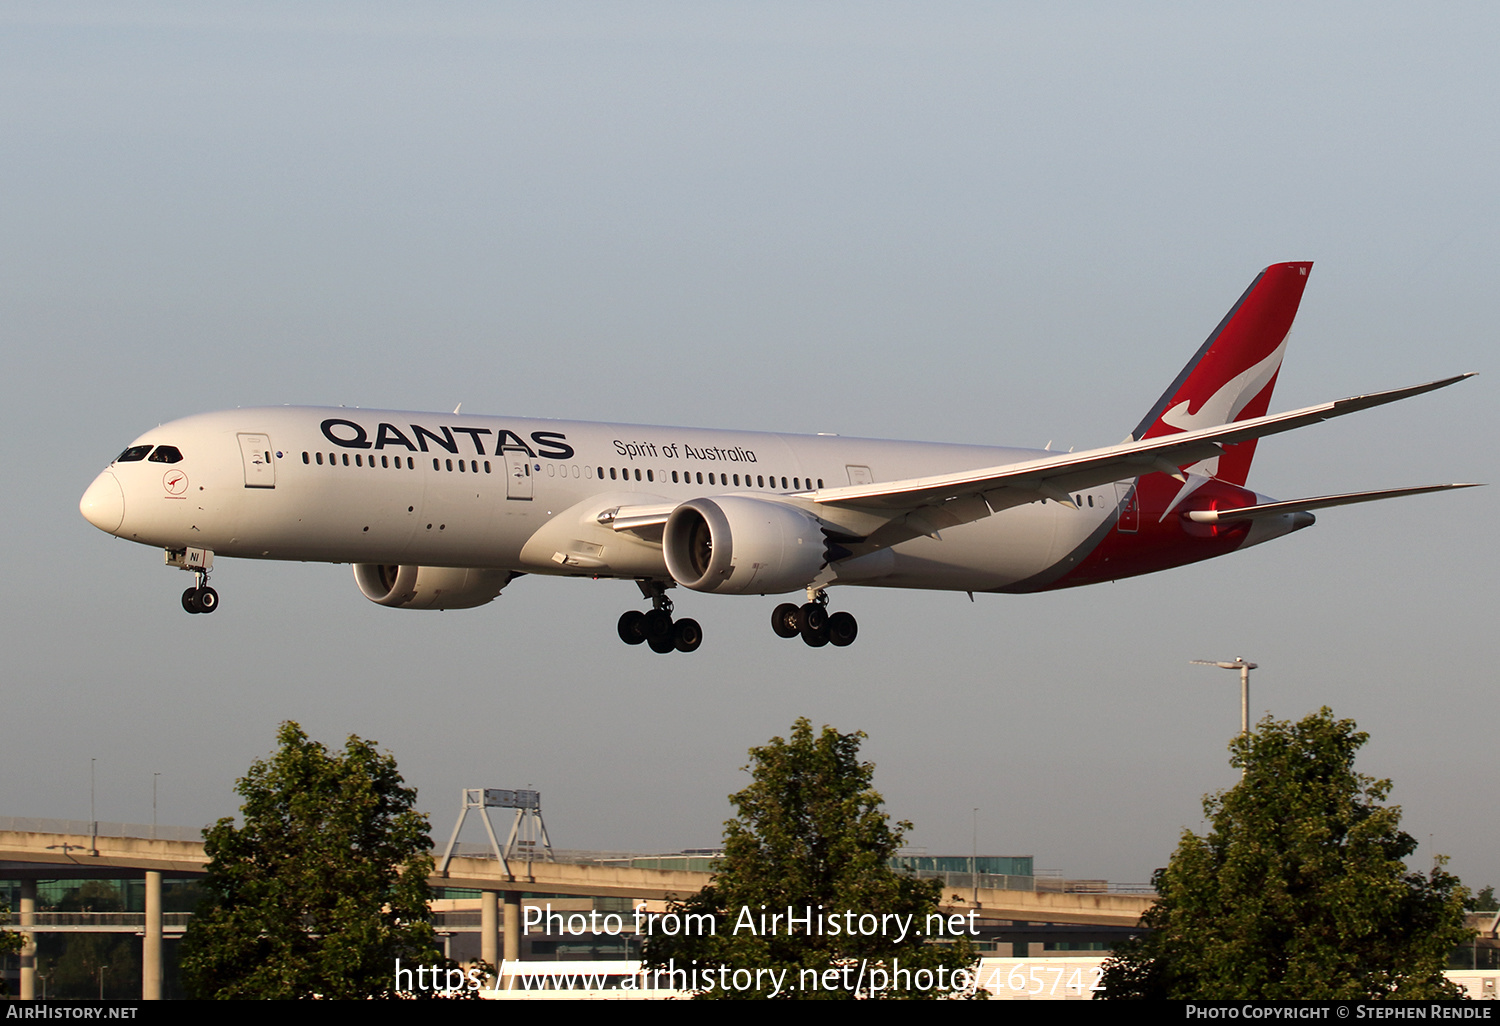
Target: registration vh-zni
column 442, row 511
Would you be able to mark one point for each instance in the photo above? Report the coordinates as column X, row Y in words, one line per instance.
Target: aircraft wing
column 925, row 505
column 950, row 499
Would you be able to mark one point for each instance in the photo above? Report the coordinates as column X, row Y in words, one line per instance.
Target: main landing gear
column 200, row 598
column 813, row 622
column 656, row 627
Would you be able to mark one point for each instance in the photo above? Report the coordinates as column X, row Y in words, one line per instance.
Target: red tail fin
column 1232, row 375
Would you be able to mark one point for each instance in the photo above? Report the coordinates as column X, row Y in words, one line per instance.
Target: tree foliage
column 10, row 944
column 1299, row 891
column 324, row 886
column 811, row 834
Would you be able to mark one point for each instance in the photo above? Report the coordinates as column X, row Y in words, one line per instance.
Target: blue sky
column 993, row 223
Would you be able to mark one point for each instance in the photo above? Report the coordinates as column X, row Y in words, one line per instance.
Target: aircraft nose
column 103, row 505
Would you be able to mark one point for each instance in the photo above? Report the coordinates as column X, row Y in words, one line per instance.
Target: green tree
column 10, row 944
column 1299, row 891
column 324, row 886
column 1484, row 901
column 811, row 835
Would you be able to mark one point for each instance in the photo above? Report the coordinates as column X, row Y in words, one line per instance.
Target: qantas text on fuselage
column 443, row 511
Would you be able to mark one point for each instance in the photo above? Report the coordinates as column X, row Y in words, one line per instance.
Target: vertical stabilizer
column 1231, row 377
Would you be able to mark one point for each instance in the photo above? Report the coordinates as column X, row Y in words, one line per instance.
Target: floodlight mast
column 1244, row 668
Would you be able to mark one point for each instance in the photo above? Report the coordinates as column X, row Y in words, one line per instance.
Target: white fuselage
column 369, row 486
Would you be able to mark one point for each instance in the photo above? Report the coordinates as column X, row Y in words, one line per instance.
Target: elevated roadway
column 31, row 855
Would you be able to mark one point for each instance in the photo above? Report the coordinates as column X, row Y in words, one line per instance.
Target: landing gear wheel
column 208, row 600
column 657, row 624
column 812, row 617
column 190, row 601
column 842, row 629
column 816, row 639
column 662, row 645
column 632, row 626
column 687, row 635
column 784, row 621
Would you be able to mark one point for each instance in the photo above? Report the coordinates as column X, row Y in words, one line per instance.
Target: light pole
column 974, row 860
column 1244, row 668
column 93, row 816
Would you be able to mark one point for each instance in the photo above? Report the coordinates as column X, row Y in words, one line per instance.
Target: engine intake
column 734, row 545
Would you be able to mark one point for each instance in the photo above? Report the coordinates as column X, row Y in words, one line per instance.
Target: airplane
column 443, row 511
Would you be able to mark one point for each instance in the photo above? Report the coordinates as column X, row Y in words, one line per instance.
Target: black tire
column 657, row 624
column 662, row 645
column 687, row 635
column 190, row 600
column 632, row 627
column 816, row 639
column 784, row 621
column 208, row 600
column 812, row 617
column 842, row 629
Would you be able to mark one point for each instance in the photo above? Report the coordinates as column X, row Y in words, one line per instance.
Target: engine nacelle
column 429, row 587
column 737, row 545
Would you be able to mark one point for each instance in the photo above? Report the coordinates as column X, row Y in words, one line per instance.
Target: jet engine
column 429, row 587
column 736, row 545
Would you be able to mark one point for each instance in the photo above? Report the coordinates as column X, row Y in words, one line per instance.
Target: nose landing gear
column 813, row 623
column 656, row 627
column 200, row 598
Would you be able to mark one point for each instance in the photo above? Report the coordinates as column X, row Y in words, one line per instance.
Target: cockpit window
column 166, row 454
column 134, row 453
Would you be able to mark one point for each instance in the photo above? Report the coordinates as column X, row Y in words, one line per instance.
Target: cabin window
column 306, row 458
column 486, row 466
column 435, row 464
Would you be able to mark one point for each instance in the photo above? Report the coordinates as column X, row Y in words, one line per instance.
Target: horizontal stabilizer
column 1270, row 509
